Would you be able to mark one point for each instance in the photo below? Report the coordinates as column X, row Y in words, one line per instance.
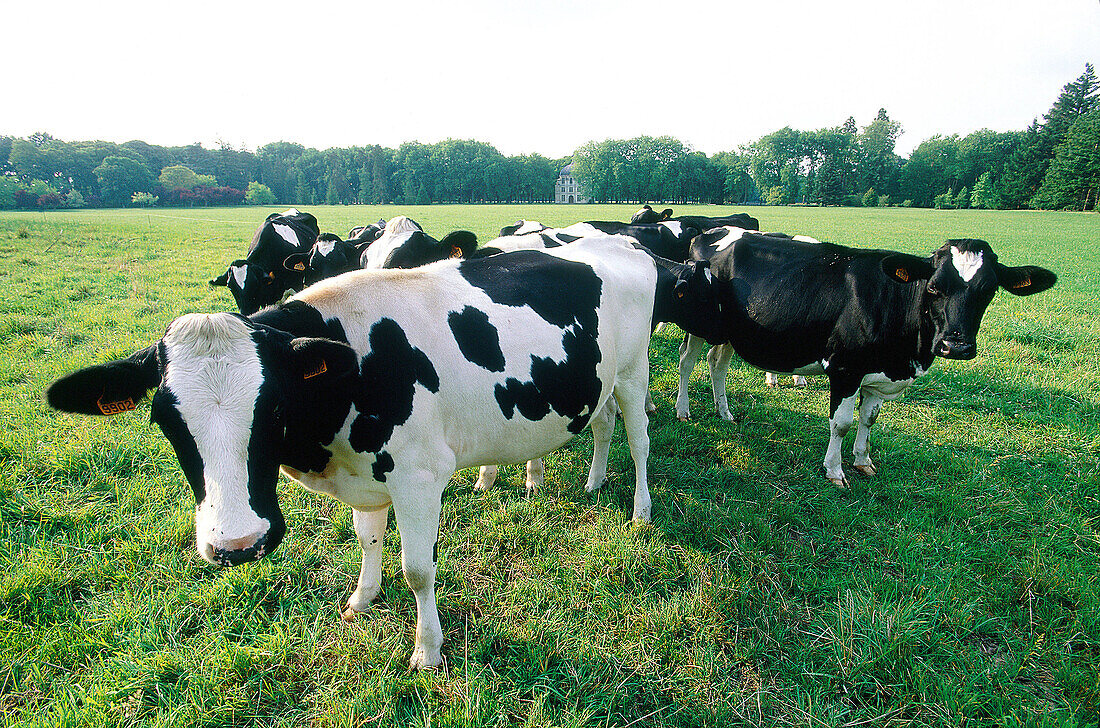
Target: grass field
column 958, row 587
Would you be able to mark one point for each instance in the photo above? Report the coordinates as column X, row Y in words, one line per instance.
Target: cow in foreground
column 261, row 278
column 374, row 386
column 872, row 321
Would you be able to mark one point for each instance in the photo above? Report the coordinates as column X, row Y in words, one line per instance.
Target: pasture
column 958, row 587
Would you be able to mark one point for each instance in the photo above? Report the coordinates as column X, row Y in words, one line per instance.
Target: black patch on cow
column 565, row 294
column 435, row 552
column 388, row 376
column 298, row 318
column 477, row 338
column 567, row 238
column 383, row 463
column 485, row 252
column 549, row 241
column 711, row 237
column 165, row 414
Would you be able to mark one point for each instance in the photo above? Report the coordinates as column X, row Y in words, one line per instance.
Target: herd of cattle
column 401, row 358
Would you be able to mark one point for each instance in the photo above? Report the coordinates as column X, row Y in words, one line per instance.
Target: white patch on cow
column 883, row 386
column 290, row 211
column 287, row 233
column 806, row 239
column 733, row 234
column 579, row 229
column 325, row 247
column 400, row 224
column 967, row 263
column 240, row 272
column 676, row 228
column 529, row 226
column 215, row 375
column 380, row 249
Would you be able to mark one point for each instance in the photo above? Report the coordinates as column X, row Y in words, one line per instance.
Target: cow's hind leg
column 689, row 355
column 486, row 476
column 416, row 506
column 718, row 360
column 370, row 528
column 536, row 473
column 869, row 406
column 603, row 425
column 630, row 394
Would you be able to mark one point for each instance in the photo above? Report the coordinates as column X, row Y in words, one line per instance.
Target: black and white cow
column 404, row 244
column 374, row 386
column 260, row 279
column 872, row 321
column 648, row 215
column 367, row 233
column 330, row 256
column 521, row 227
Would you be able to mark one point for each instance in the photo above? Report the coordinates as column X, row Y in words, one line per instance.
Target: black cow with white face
column 367, row 233
column 261, row 279
column 374, row 386
column 648, row 215
column 330, row 256
column 404, row 244
column 872, row 321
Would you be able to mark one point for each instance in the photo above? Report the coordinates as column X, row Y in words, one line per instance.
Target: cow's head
column 230, row 396
column 367, row 233
column 329, row 256
column 254, row 286
column 647, row 215
column 405, row 245
column 960, row 280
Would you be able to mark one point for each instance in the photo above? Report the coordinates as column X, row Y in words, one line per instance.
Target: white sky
column 532, row 76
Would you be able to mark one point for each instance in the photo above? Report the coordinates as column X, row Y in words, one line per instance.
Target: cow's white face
column 235, row 399
column 212, row 380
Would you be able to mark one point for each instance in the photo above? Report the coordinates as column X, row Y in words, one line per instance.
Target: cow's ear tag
column 679, row 294
column 114, row 408
column 456, row 252
column 902, row 274
column 318, row 371
column 299, row 266
column 1025, row 283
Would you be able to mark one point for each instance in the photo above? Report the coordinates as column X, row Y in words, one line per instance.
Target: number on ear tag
column 114, row 408
column 299, row 266
column 1022, row 284
column 902, row 274
column 316, row 372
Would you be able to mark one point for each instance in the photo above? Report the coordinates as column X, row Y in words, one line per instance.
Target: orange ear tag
column 679, row 294
column 316, row 372
column 1022, row 284
column 456, row 252
column 114, row 408
column 902, row 274
column 299, row 266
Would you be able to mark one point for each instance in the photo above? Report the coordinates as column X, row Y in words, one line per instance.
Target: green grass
column 958, row 587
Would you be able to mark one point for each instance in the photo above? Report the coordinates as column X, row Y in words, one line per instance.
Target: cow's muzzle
column 956, row 349
column 238, row 551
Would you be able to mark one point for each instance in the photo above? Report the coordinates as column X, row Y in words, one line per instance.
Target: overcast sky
column 543, row 76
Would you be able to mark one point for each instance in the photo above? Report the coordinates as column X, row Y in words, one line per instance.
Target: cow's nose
column 236, row 551
column 957, row 349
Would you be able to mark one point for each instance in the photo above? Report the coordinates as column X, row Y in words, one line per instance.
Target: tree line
column 1053, row 164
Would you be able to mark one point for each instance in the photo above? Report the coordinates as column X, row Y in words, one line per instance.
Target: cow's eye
column 933, row 290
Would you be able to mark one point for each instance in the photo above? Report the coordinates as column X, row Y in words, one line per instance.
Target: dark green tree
column 120, row 177
column 1073, row 180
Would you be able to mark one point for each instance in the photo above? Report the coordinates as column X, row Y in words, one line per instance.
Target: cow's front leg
column 689, row 354
column 417, row 508
column 843, row 396
column 630, row 393
column 370, row 529
column 869, row 406
column 718, row 360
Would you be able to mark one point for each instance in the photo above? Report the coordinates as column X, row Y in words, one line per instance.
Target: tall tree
column 1073, row 180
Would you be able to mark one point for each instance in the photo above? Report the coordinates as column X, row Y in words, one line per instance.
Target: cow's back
column 519, row 349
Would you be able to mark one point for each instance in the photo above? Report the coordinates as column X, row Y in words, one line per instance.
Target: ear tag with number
column 299, row 266
column 902, row 274
column 1022, row 284
column 114, row 408
column 316, row 372
column 456, row 252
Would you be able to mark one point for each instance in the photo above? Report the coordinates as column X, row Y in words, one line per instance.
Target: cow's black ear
column 460, row 243
column 1025, row 280
column 905, row 268
column 107, row 389
column 666, row 213
column 296, row 262
column 221, row 280
column 321, row 361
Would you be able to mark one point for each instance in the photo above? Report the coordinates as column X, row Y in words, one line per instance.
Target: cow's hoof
column 868, row 470
column 841, row 483
column 772, row 385
column 348, row 614
column 683, row 418
column 593, row 486
column 800, row 382
column 424, row 659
